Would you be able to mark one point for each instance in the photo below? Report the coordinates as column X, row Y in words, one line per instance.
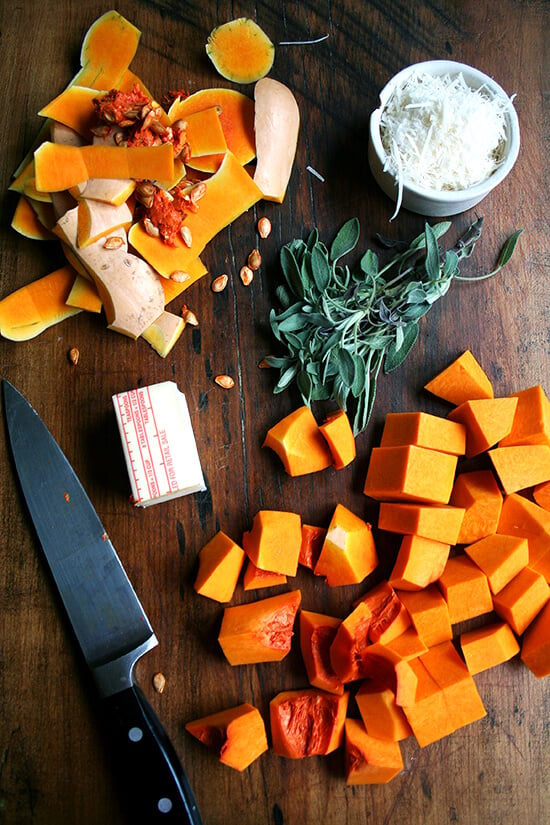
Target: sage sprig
column 339, row 325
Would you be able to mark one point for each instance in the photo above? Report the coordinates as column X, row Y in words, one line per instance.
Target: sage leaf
column 345, row 240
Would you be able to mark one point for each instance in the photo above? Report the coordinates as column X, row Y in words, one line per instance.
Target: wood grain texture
column 54, row 768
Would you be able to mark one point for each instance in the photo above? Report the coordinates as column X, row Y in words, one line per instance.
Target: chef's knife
column 109, row 622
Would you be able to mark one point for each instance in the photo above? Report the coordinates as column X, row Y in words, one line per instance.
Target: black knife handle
column 155, row 783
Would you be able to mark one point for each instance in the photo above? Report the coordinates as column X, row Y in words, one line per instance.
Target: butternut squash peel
column 30, row 310
column 276, row 125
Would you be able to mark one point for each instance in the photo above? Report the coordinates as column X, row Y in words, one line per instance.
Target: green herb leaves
column 340, row 325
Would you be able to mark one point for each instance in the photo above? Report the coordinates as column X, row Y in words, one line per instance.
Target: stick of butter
column 158, row 442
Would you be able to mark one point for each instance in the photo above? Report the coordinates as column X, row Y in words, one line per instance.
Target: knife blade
column 108, row 621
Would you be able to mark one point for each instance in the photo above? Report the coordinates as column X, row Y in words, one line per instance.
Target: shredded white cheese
column 439, row 133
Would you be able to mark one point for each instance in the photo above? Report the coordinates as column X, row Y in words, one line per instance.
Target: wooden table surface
column 53, row 763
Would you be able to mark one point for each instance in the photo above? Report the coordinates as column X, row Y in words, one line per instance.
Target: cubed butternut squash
column 424, row 430
column 419, row 562
column 236, row 735
column 389, row 616
column 465, row 589
column 349, row 643
column 307, row 722
column 531, row 423
column 337, row 432
column 259, row 631
column 313, row 537
column 535, row 646
column 500, row 557
column 429, row 614
column 522, row 517
column 463, row 380
column 410, row 473
column 522, row 599
column 220, row 564
column 478, row 492
column 368, row 760
column 349, row 553
column 255, row 578
column 274, row 541
column 488, row 646
column 438, row 522
column 487, row 420
column 317, row 632
column 381, row 715
column 521, row 466
column 299, row 443
column 461, row 696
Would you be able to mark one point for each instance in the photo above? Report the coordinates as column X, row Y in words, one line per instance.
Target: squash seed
column 264, row 227
column 159, row 682
column 246, row 275
column 224, row 381
column 186, row 236
column 114, row 242
column 179, row 277
column 255, row 259
column 219, row 283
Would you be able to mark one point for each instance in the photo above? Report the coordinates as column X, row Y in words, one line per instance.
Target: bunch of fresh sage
column 340, row 325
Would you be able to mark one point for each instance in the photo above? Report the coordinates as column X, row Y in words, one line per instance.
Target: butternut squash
column 26, row 221
column 522, row 599
column 445, row 666
column 307, row 722
column 313, row 537
column 521, row 517
column 299, row 443
column 465, row 589
column 348, row 554
column 236, row 116
column 30, row 310
column 115, row 191
column 274, row 541
column 478, row 493
column 429, row 613
column 276, row 126
column 129, row 288
column 84, row 295
column 535, row 647
column 107, row 50
column 389, row 617
column 350, row 641
column 236, row 735
column 204, row 133
column 337, row 432
column 220, row 564
column 410, row 473
column 521, row 465
column 424, row 430
column 487, row 420
column 381, row 715
column 369, row 760
column 240, row 50
column 255, row 578
column 531, row 423
column 317, row 632
column 259, row 631
column 59, row 167
column 164, row 332
column 97, row 220
column 419, row 562
column 500, row 557
column 74, row 107
column 488, row 646
column 463, row 380
column 229, row 193
column 438, row 522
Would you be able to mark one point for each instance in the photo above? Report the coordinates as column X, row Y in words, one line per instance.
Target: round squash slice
column 240, row 50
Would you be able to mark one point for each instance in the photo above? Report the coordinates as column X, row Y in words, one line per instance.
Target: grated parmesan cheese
column 439, row 133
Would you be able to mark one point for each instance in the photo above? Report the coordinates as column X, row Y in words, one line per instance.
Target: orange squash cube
column 465, row 589
column 488, row 646
column 463, row 380
column 259, row 631
column 449, row 672
column 299, row 443
column 255, row 578
column 348, row 554
column 410, row 473
column 531, row 423
column 521, row 517
column 535, row 648
column 487, row 420
column 429, row 613
column 419, row 562
column 317, row 633
column 369, row 761
column 522, row 599
column 349, row 643
column 381, row 715
column 237, row 735
column 389, row 616
column 521, row 466
column 500, row 557
column 428, row 716
column 338, row 434
column 478, row 492
column 307, row 722
column 274, row 541
column 424, row 430
column 312, row 544
column 220, row 564
column 541, row 494
column 438, row 522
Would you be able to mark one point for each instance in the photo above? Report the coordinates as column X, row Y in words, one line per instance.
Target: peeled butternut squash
column 30, row 310
column 276, row 126
column 84, row 295
column 237, row 735
column 229, row 193
column 308, row 722
column 26, row 222
column 236, row 114
column 96, row 219
column 59, row 167
column 74, row 107
column 107, row 50
column 240, row 50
